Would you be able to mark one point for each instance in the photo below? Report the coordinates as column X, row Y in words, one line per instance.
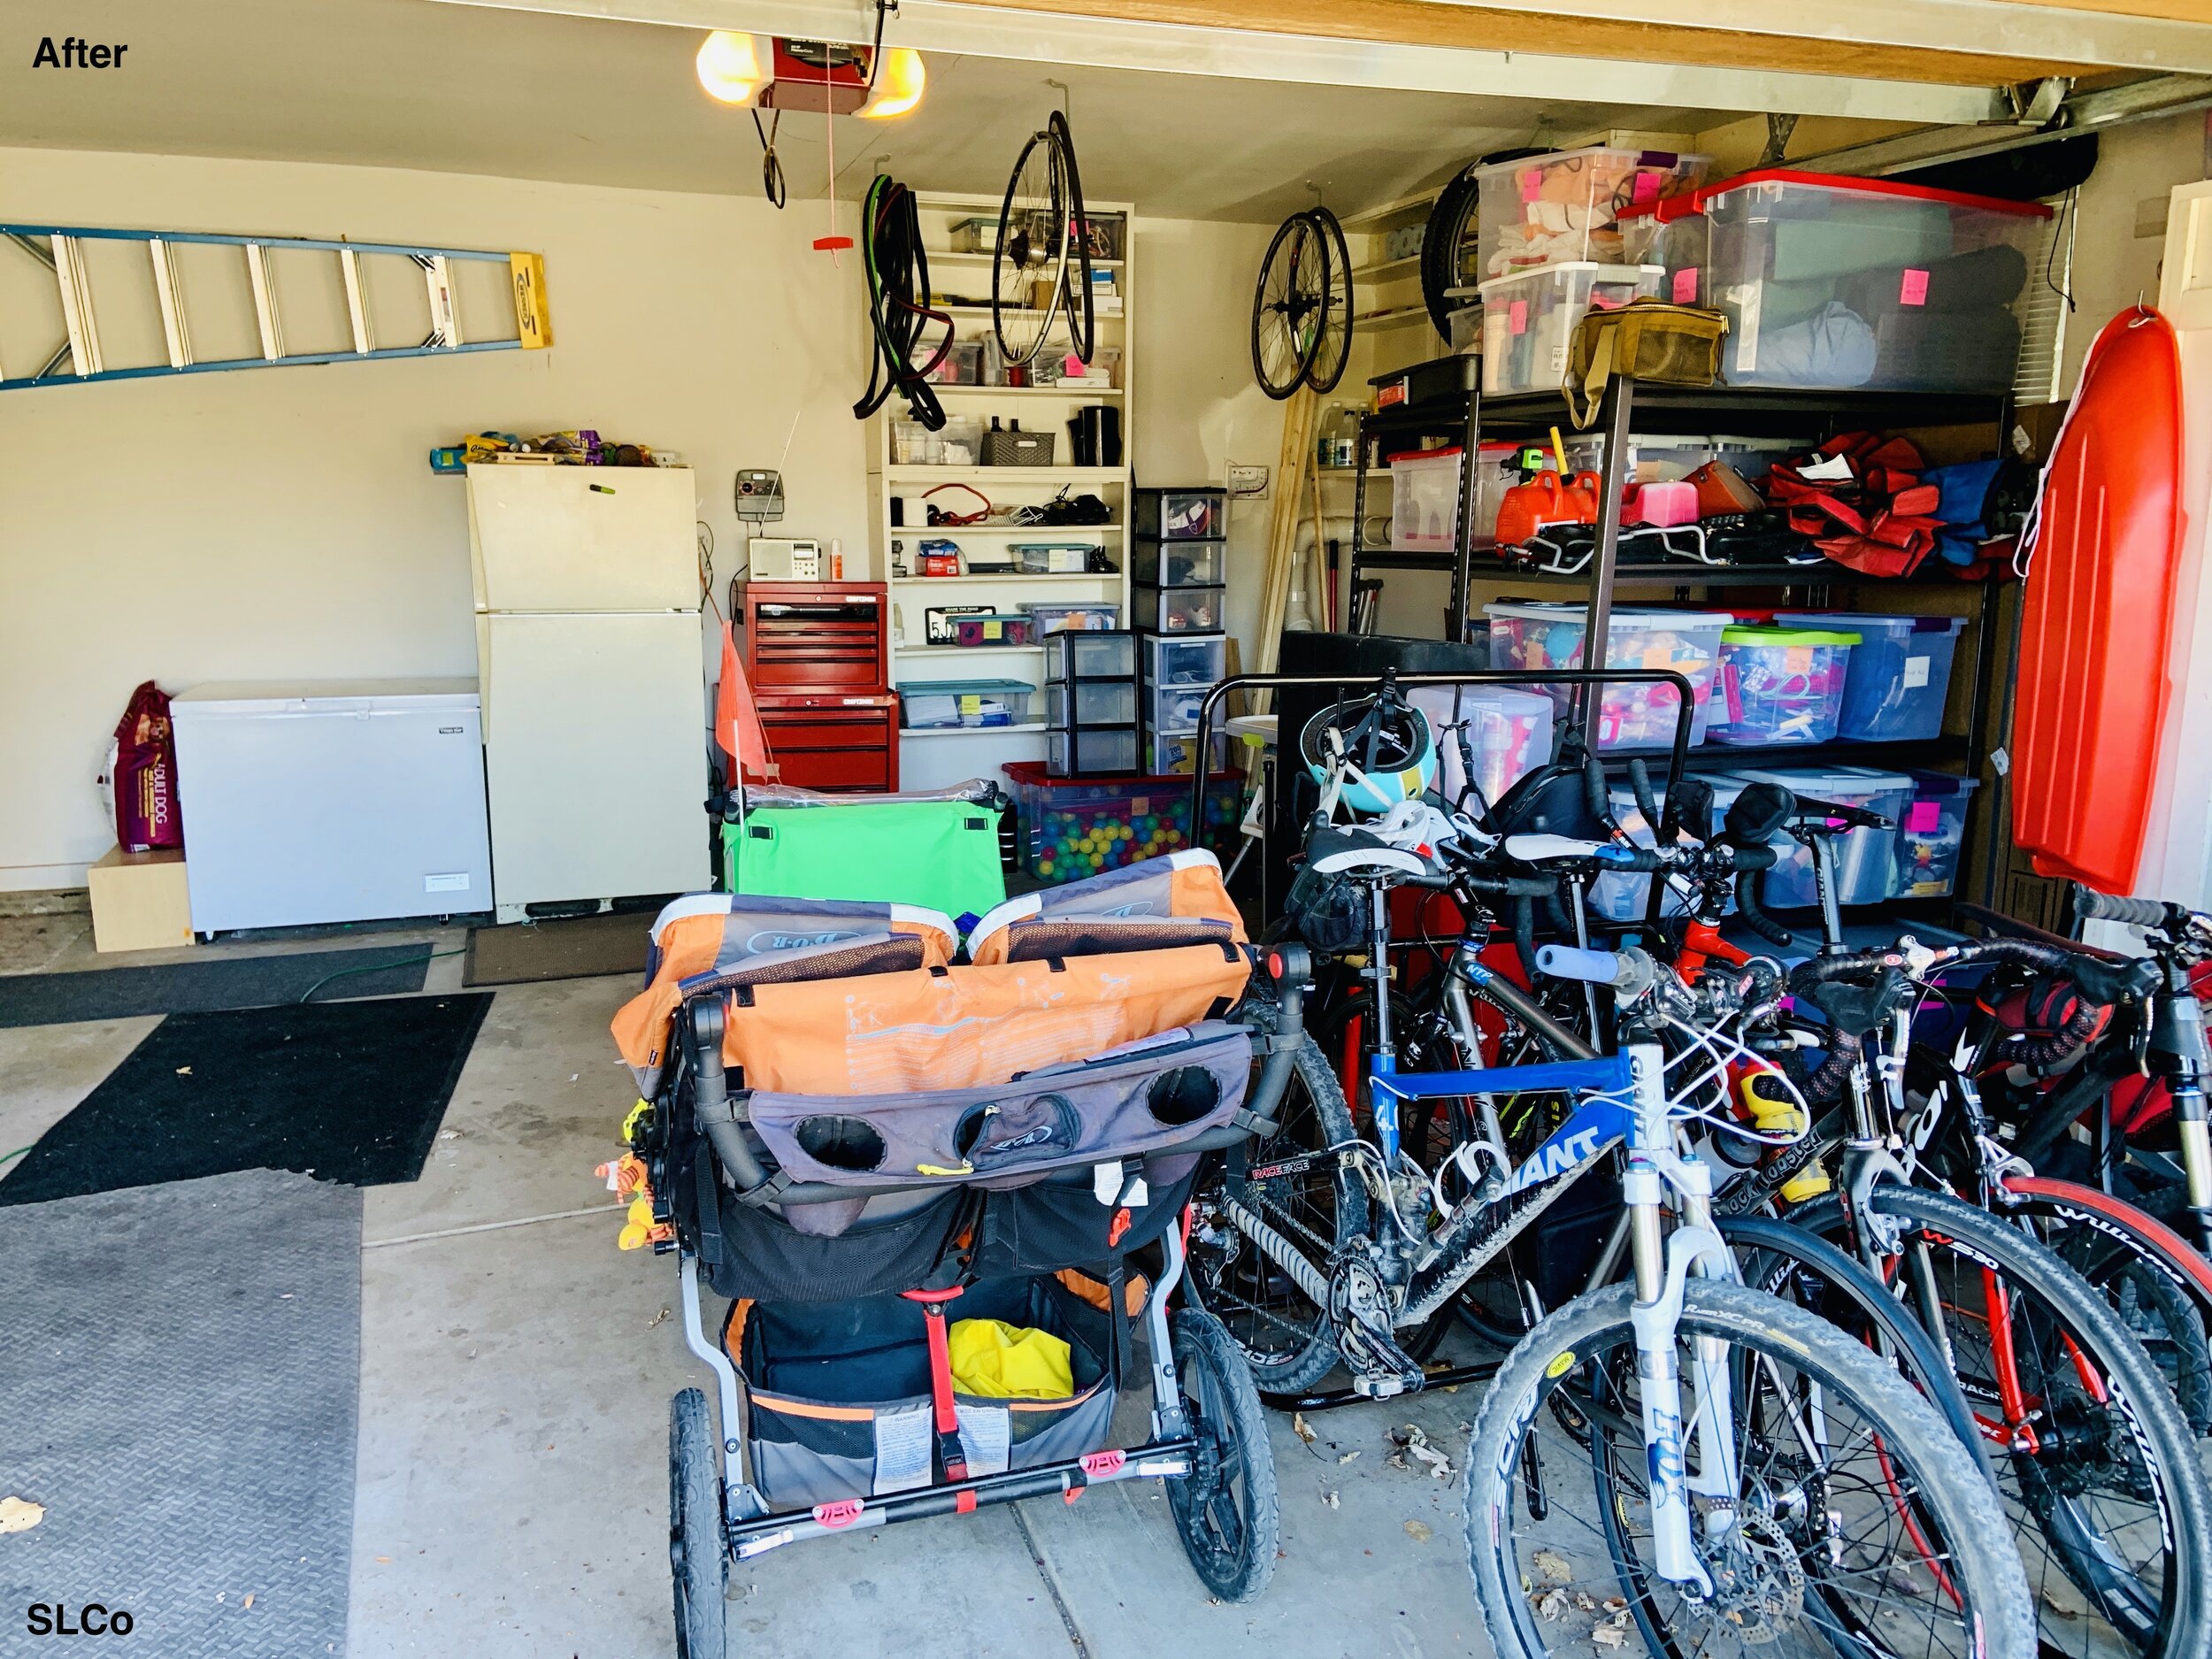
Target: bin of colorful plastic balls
column 1546, row 637
column 1780, row 686
column 1076, row 827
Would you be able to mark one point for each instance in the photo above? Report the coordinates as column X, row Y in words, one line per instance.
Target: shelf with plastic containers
column 1840, row 282
column 1536, row 636
column 1900, row 674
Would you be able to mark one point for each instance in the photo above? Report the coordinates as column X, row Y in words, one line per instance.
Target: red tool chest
column 818, row 654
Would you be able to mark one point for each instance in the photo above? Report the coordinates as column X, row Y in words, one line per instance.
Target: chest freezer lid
column 282, row 696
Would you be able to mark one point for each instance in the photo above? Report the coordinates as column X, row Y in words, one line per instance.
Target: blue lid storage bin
column 1900, row 673
column 1932, row 833
column 1866, row 859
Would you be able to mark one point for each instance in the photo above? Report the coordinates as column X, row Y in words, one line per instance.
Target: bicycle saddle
column 1336, row 851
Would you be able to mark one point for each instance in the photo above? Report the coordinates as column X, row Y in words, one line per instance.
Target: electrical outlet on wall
column 1248, row 483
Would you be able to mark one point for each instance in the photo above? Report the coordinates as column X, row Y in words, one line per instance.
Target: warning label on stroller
column 987, row 1434
column 902, row 1448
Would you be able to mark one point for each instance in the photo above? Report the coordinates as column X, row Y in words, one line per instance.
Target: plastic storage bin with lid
column 1424, row 500
column 1197, row 514
column 1509, row 731
column 941, row 704
column 1830, row 282
column 1529, row 318
column 1621, row 897
column 1083, row 617
column 1932, row 833
column 1540, row 637
column 1076, row 828
column 1779, row 684
column 1866, row 859
column 1565, row 207
column 1899, row 674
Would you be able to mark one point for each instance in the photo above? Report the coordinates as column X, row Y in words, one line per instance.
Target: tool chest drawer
column 816, row 634
column 831, row 743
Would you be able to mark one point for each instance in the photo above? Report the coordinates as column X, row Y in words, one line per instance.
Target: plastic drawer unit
column 1197, row 514
column 1179, row 564
column 1839, row 282
column 1866, row 859
column 1090, row 654
column 1540, row 638
column 1178, row 610
column 1899, row 675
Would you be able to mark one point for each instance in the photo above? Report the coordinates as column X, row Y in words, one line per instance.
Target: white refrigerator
column 587, row 647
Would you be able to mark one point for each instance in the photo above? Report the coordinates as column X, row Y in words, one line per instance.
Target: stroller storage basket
column 1142, row 1097
column 839, row 1392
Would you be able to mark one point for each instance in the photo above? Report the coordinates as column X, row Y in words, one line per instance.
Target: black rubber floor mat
column 344, row 1091
column 180, row 1393
column 199, row 988
column 580, row 948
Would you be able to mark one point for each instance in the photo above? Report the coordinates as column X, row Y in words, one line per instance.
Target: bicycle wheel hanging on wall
column 1289, row 306
column 1029, row 259
column 1075, row 289
column 1334, row 350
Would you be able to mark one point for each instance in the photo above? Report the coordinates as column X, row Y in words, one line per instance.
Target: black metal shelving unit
column 1467, row 418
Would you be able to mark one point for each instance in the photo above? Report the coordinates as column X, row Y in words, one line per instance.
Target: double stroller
column 912, row 1169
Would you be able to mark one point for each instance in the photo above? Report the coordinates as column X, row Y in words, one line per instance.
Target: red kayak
column 2097, row 619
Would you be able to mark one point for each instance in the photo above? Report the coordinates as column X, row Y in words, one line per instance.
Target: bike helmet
column 1373, row 752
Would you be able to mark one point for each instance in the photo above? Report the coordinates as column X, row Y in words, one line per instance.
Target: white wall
column 284, row 523
column 2113, row 264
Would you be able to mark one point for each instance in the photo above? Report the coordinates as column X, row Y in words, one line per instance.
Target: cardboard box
column 139, row 902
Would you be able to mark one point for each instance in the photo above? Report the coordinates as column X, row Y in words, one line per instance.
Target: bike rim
column 1291, row 290
column 1030, row 256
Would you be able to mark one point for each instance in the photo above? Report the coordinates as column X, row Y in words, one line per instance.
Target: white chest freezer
column 331, row 800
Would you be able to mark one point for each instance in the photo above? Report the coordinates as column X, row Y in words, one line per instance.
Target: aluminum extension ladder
column 62, row 250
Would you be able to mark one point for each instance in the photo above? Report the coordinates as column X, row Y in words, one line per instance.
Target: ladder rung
column 445, row 323
column 357, row 301
column 76, row 307
column 265, row 310
column 174, row 332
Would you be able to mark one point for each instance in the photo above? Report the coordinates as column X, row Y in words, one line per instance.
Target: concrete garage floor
column 516, row 1374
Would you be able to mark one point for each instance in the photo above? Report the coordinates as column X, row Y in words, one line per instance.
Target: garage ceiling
column 406, row 83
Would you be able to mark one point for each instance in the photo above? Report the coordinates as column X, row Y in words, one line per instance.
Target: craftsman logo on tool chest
column 72, row 53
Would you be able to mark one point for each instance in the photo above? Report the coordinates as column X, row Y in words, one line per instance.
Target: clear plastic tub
column 1780, row 686
column 1541, row 637
column 1179, row 564
column 991, row 628
column 1866, row 859
column 1565, row 208
column 1084, row 653
column 928, row 705
column 1174, row 710
column 1170, row 752
column 1900, row 674
column 1932, row 833
column 1199, row 660
column 1528, row 321
column 1178, row 610
column 1072, row 829
column 1091, row 616
column 1053, row 558
column 1082, row 751
column 1830, row 282
column 1425, row 501
column 1619, row 896
column 1181, row 515
column 1509, row 731
column 1091, row 702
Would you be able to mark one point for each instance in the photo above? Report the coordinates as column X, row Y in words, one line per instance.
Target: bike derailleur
column 1360, row 1308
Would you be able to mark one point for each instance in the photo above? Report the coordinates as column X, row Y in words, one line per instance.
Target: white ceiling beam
column 986, row 31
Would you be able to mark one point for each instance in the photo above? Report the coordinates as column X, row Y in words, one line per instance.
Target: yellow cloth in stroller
column 993, row 1359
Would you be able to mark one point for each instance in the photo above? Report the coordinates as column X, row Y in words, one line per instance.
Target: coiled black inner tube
column 899, row 311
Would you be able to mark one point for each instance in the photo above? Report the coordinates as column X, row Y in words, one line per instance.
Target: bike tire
column 1333, row 348
column 1057, row 211
column 1075, row 282
column 2070, row 1543
column 1950, row 1491
column 699, row 1562
column 1440, row 239
column 1297, row 230
column 1301, row 1347
column 1228, row 1514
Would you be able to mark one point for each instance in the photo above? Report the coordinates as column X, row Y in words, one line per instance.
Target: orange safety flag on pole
column 737, row 726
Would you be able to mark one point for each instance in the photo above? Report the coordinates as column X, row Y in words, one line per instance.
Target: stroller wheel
column 1225, row 1509
column 698, row 1555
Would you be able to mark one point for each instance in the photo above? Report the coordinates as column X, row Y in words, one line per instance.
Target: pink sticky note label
column 1923, row 817
column 1686, row 286
column 1517, row 317
column 1913, row 290
column 1647, row 186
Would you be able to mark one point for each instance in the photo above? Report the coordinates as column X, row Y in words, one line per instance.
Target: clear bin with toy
column 1177, row 564
column 1622, row 896
column 1931, row 833
column 1085, row 617
column 1424, row 500
column 1830, row 282
column 1178, row 610
column 1780, row 686
column 1899, row 675
column 1076, row 828
column 1088, row 653
column 1866, row 858
column 1539, row 638
column 928, row 705
column 1509, row 731
column 1200, row 514
column 1528, row 320
column 1565, row 208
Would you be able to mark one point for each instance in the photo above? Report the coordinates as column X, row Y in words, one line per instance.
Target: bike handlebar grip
column 1750, row 883
column 2091, row 905
column 1639, row 785
column 1599, row 967
column 1595, row 798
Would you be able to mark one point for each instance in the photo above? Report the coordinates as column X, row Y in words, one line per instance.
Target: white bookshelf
column 930, row 759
